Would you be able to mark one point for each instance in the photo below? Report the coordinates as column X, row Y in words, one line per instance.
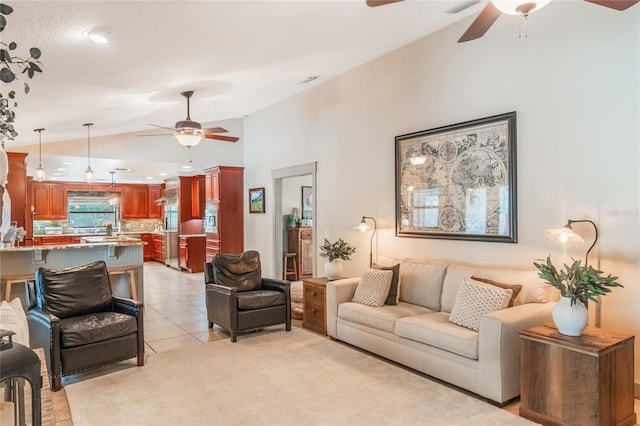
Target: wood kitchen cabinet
column 17, row 188
column 49, row 201
column 52, row 240
column 134, row 200
column 157, row 253
column 224, row 195
column 146, row 249
column 191, row 253
column 197, row 197
column 300, row 242
column 154, row 211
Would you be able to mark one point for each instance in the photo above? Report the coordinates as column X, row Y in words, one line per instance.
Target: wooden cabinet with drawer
column 314, row 302
column 156, row 247
column 300, row 242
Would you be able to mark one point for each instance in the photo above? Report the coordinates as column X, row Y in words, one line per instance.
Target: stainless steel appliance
column 170, row 201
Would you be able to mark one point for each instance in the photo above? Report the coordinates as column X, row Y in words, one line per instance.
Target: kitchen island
column 117, row 254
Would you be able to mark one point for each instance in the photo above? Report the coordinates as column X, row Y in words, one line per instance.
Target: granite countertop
column 131, row 242
column 93, row 234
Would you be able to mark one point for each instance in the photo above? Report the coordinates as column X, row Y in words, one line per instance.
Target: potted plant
column 577, row 284
column 339, row 250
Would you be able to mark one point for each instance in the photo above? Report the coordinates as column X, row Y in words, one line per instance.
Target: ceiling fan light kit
column 519, row 7
column 99, row 35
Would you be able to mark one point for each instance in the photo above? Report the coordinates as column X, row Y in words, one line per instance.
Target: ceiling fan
column 495, row 8
column 189, row 132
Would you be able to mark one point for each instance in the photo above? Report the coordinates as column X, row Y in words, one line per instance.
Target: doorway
column 306, row 173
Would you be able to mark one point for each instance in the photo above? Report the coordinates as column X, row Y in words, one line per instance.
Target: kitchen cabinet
column 17, row 188
column 157, row 247
column 300, row 242
column 197, row 197
column 154, row 211
column 191, row 253
column 52, row 240
column 224, row 193
column 134, row 201
column 146, row 250
column 49, row 201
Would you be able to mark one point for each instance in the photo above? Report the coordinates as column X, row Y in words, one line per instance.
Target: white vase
column 333, row 270
column 570, row 320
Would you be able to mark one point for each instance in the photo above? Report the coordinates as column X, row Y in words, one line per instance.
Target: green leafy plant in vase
column 338, row 250
column 577, row 284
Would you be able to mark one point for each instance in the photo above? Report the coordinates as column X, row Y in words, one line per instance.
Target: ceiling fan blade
column 215, row 130
column 615, row 4
column 481, row 24
column 162, row 127
column 375, row 3
column 222, row 138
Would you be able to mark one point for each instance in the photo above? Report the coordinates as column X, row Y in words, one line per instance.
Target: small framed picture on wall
column 256, row 200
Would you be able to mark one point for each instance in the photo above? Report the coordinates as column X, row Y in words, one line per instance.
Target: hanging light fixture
column 519, row 7
column 40, row 170
column 88, row 174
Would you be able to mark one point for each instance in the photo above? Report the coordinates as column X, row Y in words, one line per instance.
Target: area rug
column 274, row 378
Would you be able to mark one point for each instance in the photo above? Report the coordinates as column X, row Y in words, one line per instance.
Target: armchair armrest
column 338, row 291
column 222, row 305
column 127, row 306
column 499, row 345
column 44, row 332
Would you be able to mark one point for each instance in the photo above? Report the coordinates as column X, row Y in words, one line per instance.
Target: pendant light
column 40, row 170
column 88, row 174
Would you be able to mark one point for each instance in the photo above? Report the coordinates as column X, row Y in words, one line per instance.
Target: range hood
column 170, row 195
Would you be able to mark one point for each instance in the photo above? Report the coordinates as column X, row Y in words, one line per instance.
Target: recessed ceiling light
column 57, row 174
column 100, row 35
column 67, row 163
column 61, row 169
column 162, row 174
column 186, row 167
column 149, row 177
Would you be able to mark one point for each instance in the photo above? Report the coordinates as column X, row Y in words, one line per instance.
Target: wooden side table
column 314, row 304
column 584, row 380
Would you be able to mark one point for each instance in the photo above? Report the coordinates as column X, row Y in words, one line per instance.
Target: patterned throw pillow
column 394, row 290
column 12, row 318
column 515, row 287
column 373, row 287
column 474, row 300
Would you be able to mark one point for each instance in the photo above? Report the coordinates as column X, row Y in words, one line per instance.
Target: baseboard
column 636, row 390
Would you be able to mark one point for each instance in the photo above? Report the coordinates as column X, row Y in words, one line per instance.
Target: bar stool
column 133, row 293
column 11, row 279
column 285, row 266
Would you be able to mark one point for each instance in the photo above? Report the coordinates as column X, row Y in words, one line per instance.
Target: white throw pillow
column 12, row 318
column 373, row 287
column 474, row 300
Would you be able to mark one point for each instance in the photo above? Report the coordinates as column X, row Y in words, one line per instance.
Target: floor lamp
column 364, row 226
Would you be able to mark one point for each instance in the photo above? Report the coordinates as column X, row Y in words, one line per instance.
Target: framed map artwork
column 458, row 181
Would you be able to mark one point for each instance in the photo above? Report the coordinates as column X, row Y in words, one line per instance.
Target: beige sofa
column 417, row 333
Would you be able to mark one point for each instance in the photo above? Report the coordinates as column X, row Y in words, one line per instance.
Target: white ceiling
column 238, row 56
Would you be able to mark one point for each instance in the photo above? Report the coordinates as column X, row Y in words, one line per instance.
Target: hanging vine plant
column 12, row 65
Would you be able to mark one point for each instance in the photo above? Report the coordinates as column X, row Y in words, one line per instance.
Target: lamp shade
column 519, row 7
column 88, row 174
column 565, row 235
column 363, row 226
column 40, row 174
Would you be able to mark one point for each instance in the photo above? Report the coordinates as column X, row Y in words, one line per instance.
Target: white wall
column 575, row 84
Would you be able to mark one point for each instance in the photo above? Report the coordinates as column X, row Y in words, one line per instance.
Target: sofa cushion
column 434, row 329
column 12, row 318
column 516, row 288
column 84, row 329
column 257, row 299
column 421, row 281
column 394, row 290
column 373, row 287
column 381, row 318
column 78, row 290
column 534, row 290
column 476, row 299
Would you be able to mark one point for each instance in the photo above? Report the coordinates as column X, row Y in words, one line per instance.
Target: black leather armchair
column 239, row 299
column 73, row 315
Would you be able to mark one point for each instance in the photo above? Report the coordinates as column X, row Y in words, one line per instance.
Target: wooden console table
column 584, row 380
